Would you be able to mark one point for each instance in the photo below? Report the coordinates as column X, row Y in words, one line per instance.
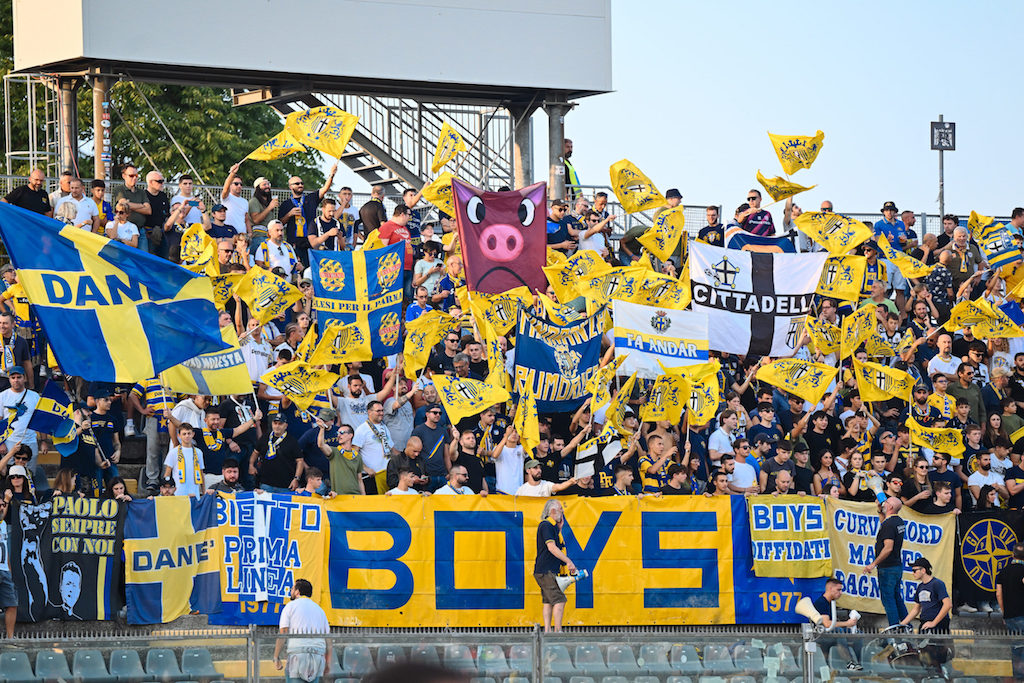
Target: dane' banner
column 556, row 360
column 853, row 527
column 66, row 558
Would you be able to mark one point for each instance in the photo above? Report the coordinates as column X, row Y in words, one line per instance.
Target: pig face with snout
column 503, row 237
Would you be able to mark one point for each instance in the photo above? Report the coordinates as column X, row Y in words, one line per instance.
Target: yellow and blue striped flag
column 112, row 313
column 54, row 415
column 995, row 240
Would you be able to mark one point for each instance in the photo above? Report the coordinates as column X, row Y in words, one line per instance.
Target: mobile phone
column 193, row 202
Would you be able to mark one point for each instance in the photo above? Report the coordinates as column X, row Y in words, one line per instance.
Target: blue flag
column 112, row 313
column 363, row 287
column 54, row 415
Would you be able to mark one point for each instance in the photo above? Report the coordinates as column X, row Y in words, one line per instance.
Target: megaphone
column 566, row 581
column 805, row 608
column 874, row 482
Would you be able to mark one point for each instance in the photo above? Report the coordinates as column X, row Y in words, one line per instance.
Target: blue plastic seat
column 459, row 658
column 717, row 660
column 162, row 665
column 197, row 664
column 356, row 661
column 126, row 665
column 590, row 660
column 520, row 659
column 653, row 659
column 622, row 661
column 748, row 659
column 425, row 654
column 87, row 666
column 15, row 667
column 389, row 655
column 678, row 679
column 490, row 661
column 685, row 660
column 52, row 666
column 557, row 662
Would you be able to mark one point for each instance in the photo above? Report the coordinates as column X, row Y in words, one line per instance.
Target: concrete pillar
column 522, row 144
column 68, row 105
column 101, row 127
column 556, row 135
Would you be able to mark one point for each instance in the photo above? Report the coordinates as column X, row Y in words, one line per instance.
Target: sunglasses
column 121, row 213
column 752, row 199
column 159, row 181
column 131, row 175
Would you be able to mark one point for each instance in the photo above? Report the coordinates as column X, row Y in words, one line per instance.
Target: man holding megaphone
column 551, row 559
column 822, row 613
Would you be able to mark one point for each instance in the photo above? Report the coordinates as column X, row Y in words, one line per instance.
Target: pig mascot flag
column 503, row 237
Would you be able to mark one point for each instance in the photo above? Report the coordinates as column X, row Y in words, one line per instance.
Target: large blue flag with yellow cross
column 363, row 287
column 111, row 312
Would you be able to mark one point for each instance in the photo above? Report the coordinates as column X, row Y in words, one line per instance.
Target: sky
column 699, row 84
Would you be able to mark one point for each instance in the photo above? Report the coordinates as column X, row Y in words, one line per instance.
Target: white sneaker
column 129, row 428
column 985, row 607
column 967, row 609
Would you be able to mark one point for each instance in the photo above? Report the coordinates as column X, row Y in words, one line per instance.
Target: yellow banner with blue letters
column 789, row 537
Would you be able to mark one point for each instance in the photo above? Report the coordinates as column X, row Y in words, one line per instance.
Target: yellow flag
column 968, row 313
column 1017, row 435
column 299, row 382
column 797, row 151
column 559, row 313
column 500, row 310
column 449, row 143
column 824, row 335
column 976, row 222
column 197, row 248
column 667, row 399
column 857, row 327
column 599, row 385
column 948, row 441
column 999, row 325
column 439, row 193
column 908, row 265
column 266, row 295
column 617, row 407
column 220, row 373
column 662, row 238
column 466, row 397
column 281, row 145
column 657, row 289
column 779, row 188
column 342, row 343
column 705, row 390
column 555, row 257
column 304, row 351
column 422, row 335
column 526, row 420
column 372, row 241
column 880, row 382
column 837, row 233
column 327, row 129
column 635, row 190
column 807, row 380
column 842, row 277
column 224, row 287
column 622, row 283
column 877, row 347
column 565, row 276
column 497, row 376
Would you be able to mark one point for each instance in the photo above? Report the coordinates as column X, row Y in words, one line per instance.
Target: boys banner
column 853, row 527
column 789, row 537
column 363, row 287
column 647, row 335
column 755, row 302
column 66, row 558
column 556, row 360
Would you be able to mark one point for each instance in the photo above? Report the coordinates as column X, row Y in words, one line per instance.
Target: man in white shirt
column 373, row 439
column 540, row 488
column 307, row 657
column 722, row 439
column 24, row 400
column 944, row 361
column 275, row 252
column 88, row 216
column 456, row 486
column 508, row 459
column 406, row 480
column 258, row 354
column 238, row 208
column 744, row 477
column 986, row 475
column 196, row 206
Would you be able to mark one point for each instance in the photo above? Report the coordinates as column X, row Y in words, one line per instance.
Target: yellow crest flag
column 705, row 390
column 837, row 233
column 449, row 143
column 299, row 382
column 266, row 295
column 662, row 238
column 949, row 441
column 622, row 282
column 779, row 188
column 807, row 380
column 502, row 309
column 439, row 193
column 197, row 248
column 526, row 420
column 857, row 327
column 797, row 151
column 422, row 335
column 635, row 190
column 555, row 257
column 467, row 397
column 968, row 313
column 304, row 351
column 327, row 129
column 281, row 145
column 880, row 382
column 667, row 399
column 877, row 347
column 566, row 275
column 999, row 325
column 497, row 376
column 661, row 290
column 617, row 407
column 908, row 265
column 599, row 385
column 842, row 277
column 224, row 287
column 559, row 313
column 213, row 374
column 341, row 343
column 824, row 335
column 977, row 222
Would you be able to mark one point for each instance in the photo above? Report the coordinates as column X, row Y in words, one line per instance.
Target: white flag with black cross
column 756, row 302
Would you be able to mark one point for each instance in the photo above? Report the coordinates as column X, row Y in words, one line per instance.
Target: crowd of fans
column 378, row 432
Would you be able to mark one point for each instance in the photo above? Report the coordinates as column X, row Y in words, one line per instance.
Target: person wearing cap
column 881, row 270
column 762, row 450
column 215, row 223
column 890, row 226
column 16, row 350
column 561, row 235
column 754, row 219
column 277, row 459
column 20, row 398
column 167, row 486
column 931, row 601
column 536, row 487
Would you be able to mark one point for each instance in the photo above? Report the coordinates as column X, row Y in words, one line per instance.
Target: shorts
column 8, row 595
column 550, row 593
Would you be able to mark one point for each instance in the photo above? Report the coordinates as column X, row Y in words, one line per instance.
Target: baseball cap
column 532, row 462
column 259, row 181
column 673, row 194
column 558, row 202
column 434, row 406
column 278, row 417
column 889, row 205
column 168, row 481
column 327, row 414
column 801, row 446
column 305, row 281
column 17, row 470
column 15, row 370
column 923, row 563
column 218, row 207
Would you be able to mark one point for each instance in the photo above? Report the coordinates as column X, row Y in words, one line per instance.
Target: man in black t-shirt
column 159, row 212
column 326, row 232
column 941, row 501
column 299, row 211
column 1010, row 591
column 932, row 601
column 31, row 196
column 277, row 460
column 889, row 561
column 676, row 481
column 551, row 558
